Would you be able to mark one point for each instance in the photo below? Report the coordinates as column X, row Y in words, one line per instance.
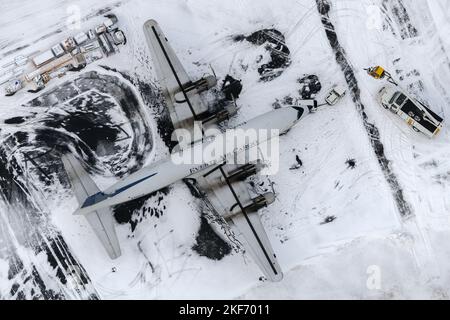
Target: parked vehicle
column 335, row 94
column 13, row 86
column 413, row 112
column 119, row 37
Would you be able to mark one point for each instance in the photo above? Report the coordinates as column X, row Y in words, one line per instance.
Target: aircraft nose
column 300, row 111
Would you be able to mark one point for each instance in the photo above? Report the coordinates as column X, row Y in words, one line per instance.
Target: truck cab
column 413, row 112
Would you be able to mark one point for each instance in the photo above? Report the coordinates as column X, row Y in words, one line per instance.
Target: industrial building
column 71, row 54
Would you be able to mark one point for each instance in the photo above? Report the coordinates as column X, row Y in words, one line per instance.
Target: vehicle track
column 25, row 220
column 404, row 208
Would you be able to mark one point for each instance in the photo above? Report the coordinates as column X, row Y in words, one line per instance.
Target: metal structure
column 72, row 54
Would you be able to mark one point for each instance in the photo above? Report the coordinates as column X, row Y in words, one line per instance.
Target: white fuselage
column 163, row 173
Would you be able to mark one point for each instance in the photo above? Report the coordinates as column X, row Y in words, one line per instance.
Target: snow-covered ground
column 338, row 226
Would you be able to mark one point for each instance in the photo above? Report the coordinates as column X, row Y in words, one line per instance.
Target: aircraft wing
column 228, row 198
column 183, row 101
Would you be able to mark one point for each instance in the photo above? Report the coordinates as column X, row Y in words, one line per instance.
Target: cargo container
column 58, row 50
column 68, row 44
column 43, row 58
column 13, row 86
column 59, row 62
column 81, row 38
column 91, row 34
column 106, row 44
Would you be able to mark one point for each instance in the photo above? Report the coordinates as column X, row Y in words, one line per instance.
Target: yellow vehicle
column 379, row 72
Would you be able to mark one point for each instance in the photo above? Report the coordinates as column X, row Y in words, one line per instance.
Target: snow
column 333, row 260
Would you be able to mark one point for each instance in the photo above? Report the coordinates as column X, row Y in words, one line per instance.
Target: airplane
column 222, row 181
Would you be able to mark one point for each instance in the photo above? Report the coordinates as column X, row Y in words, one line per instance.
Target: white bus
column 416, row 115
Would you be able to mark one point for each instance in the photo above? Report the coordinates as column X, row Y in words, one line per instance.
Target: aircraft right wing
column 231, row 199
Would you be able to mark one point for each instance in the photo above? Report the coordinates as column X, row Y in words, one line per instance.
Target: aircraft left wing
column 230, row 197
column 181, row 94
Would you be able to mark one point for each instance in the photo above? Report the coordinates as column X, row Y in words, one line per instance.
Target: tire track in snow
column 400, row 17
column 404, row 208
column 69, row 123
column 56, row 28
column 28, row 278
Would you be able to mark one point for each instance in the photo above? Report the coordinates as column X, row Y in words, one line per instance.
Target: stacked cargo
column 72, row 54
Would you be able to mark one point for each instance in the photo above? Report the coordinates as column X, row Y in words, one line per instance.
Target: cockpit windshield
column 394, row 96
column 401, row 98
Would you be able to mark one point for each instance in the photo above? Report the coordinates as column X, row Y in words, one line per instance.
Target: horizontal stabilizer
column 101, row 221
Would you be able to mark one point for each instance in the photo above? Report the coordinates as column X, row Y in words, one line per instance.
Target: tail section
column 101, row 221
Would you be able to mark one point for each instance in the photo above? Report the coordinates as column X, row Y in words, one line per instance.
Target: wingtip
column 115, row 254
column 278, row 277
column 150, row 23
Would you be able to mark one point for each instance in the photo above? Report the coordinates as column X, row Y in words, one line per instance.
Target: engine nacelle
column 243, row 172
column 219, row 116
column 202, row 84
column 257, row 203
column 261, row 201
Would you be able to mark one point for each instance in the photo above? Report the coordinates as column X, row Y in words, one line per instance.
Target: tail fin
column 101, row 221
